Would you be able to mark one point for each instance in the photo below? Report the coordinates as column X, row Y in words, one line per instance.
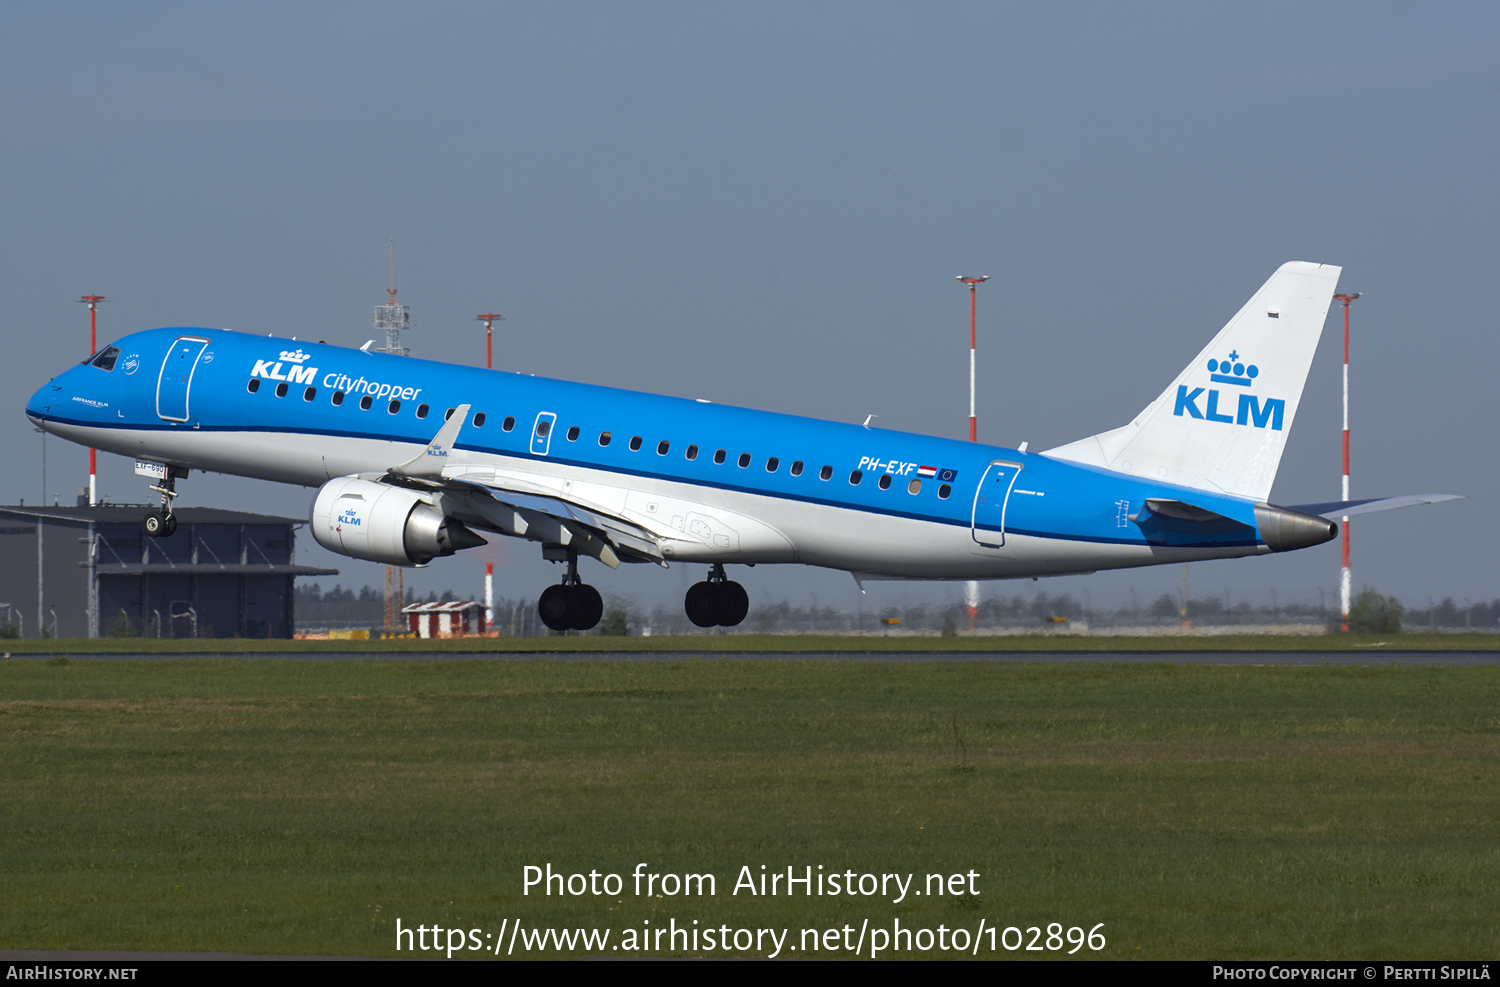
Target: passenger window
column 309, row 394
column 281, row 389
column 771, row 464
column 719, row 457
column 338, row 398
column 479, row 421
column 914, row 487
column 855, row 477
column 826, row 473
column 662, row 447
column 365, row 402
column 885, row 481
column 508, row 424
column 394, row 407
column 421, row 411
column 448, row 414
column 797, row 468
column 107, row 357
column 543, row 426
column 944, row 491
column 573, row 434
column 692, row 452
column 604, row 438
column 254, row 385
column 744, row 460
column 635, row 443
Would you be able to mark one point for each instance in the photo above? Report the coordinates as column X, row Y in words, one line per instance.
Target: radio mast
column 392, row 318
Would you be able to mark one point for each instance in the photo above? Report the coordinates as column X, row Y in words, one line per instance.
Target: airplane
column 412, row 459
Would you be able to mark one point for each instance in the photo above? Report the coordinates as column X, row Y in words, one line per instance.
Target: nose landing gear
column 717, row 601
column 161, row 523
column 573, row 605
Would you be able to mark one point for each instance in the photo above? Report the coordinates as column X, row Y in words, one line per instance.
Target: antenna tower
column 391, row 318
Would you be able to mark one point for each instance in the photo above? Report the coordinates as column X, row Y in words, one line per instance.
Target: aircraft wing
column 1345, row 508
column 485, row 499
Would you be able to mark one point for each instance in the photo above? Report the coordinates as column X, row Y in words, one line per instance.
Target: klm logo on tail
column 1250, row 410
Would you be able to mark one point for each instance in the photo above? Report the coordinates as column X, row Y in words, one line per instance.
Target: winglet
column 430, row 461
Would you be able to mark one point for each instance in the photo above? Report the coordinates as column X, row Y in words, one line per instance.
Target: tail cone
column 1285, row 530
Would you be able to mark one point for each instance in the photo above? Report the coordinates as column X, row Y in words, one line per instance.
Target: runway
column 1373, row 656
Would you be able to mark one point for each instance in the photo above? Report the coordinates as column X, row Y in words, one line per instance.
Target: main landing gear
column 717, row 601
column 573, row 605
column 161, row 523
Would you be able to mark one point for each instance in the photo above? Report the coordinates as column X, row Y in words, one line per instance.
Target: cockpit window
column 105, row 359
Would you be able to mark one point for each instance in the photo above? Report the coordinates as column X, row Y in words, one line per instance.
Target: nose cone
column 39, row 405
column 52, row 402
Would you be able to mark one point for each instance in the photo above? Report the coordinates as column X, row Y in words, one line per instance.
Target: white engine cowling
column 381, row 523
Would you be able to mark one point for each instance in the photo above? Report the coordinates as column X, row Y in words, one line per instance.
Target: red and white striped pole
column 971, row 590
column 92, row 301
column 488, row 319
column 1344, row 583
column 973, row 283
column 489, row 594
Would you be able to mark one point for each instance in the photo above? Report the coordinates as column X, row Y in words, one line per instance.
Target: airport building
column 451, row 618
column 93, row 572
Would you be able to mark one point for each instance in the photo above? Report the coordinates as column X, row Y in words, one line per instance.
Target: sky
column 767, row 204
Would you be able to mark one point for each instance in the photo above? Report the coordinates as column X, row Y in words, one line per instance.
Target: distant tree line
column 1370, row 612
column 341, row 607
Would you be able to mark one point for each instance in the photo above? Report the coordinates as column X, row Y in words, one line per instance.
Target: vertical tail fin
column 1222, row 424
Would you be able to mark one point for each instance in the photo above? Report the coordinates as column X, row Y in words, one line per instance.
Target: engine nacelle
column 381, row 523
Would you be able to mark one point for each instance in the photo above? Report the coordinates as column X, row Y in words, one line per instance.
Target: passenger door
column 990, row 500
column 175, row 381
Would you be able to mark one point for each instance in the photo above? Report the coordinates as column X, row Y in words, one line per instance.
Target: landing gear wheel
column 734, row 604
column 159, row 522
column 717, row 600
column 554, row 609
column 590, row 608
column 703, row 604
column 572, row 605
column 570, row 608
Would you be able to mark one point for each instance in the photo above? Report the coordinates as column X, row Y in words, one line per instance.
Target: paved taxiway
column 1374, row 656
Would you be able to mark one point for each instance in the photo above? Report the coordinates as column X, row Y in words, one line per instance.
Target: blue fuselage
column 841, row 495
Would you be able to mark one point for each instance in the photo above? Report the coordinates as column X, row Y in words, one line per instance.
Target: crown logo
column 1232, row 371
column 299, row 357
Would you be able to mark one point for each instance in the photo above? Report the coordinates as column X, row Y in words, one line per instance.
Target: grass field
column 707, row 643
column 265, row 806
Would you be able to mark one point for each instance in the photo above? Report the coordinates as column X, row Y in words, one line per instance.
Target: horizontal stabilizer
column 1347, row 508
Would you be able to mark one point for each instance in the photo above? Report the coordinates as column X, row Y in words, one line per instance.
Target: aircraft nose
column 40, row 403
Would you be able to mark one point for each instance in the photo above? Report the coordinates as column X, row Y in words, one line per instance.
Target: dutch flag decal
column 927, row 471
